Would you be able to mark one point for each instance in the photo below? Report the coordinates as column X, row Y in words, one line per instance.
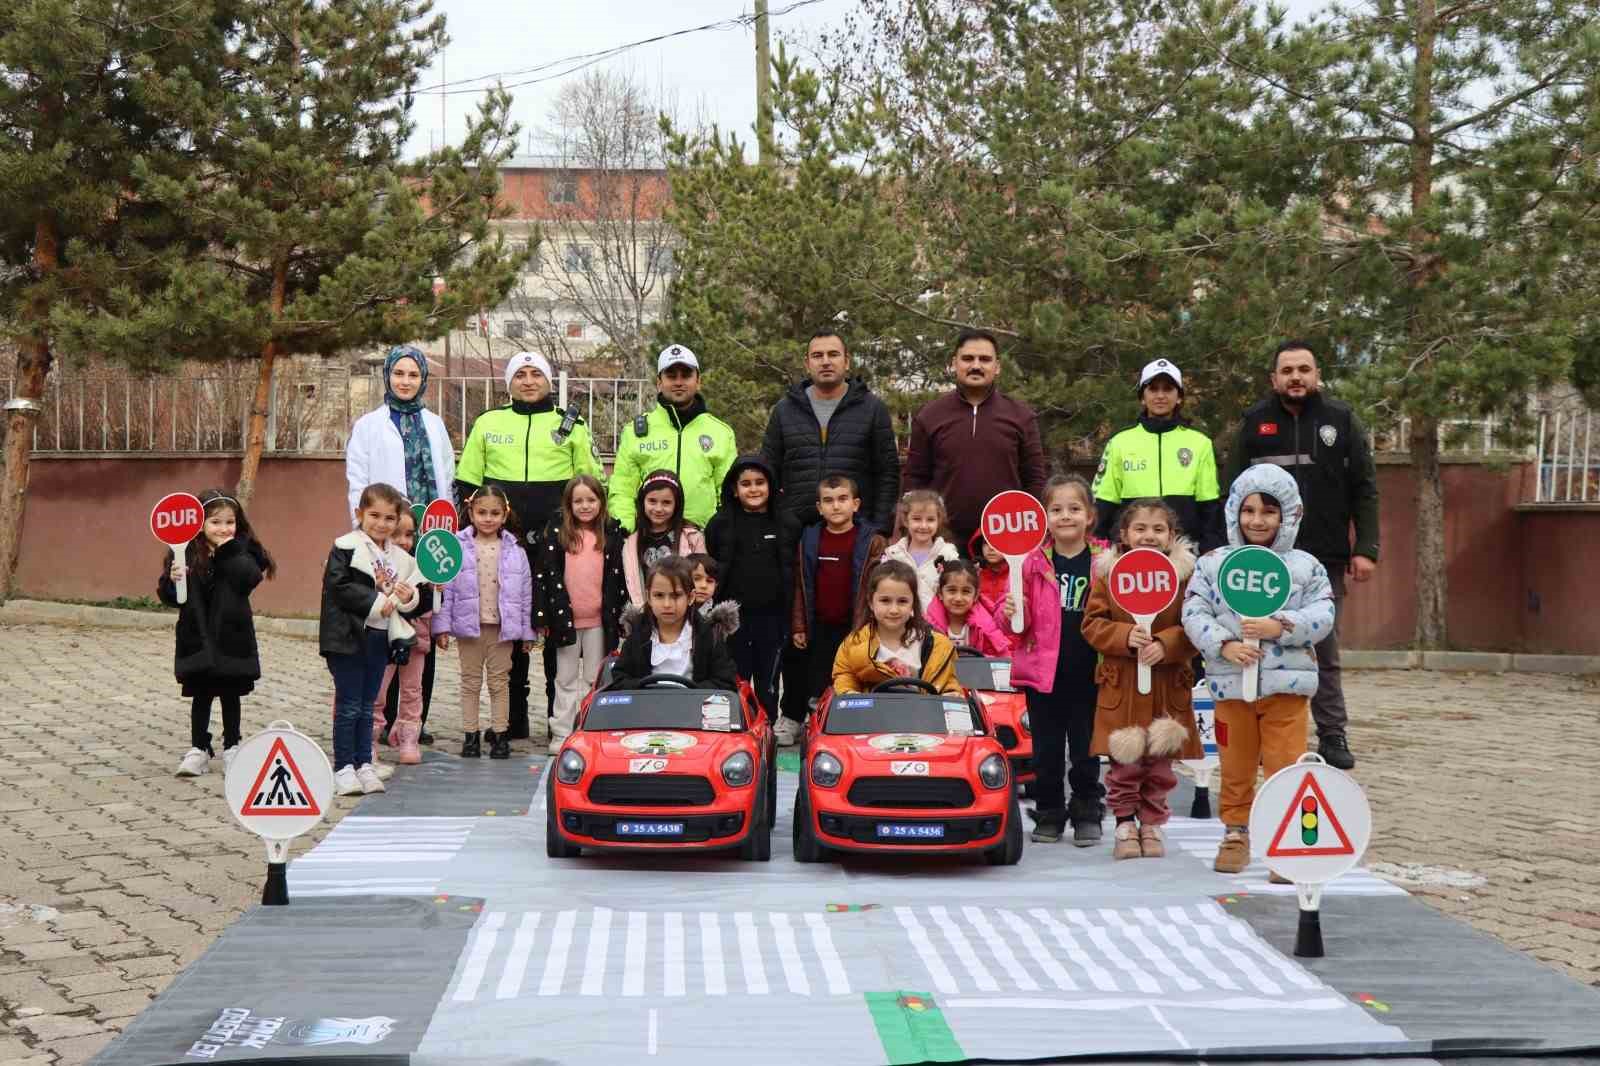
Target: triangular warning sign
column 280, row 788
column 1311, row 818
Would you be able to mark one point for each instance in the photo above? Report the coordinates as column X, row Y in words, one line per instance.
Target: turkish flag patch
column 1222, row 734
column 1269, row 429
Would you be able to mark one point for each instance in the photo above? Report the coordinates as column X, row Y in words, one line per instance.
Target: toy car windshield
column 981, row 673
column 665, row 708
column 901, row 712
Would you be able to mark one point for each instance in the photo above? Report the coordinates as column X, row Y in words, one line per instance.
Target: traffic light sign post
column 1314, row 824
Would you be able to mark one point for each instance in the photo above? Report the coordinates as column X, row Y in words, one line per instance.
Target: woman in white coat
column 401, row 443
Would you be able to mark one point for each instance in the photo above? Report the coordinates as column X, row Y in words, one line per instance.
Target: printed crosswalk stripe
column 1176, row 940
column 1117, row 957
column 380, row 857
column 594, row 960
column 711, row 954
column 1069, row 943
column 943, row 979
column 827, row 955
column 1036, row 951
column 634, row 956
column 1001, row 951
column 1246, row 937
column 426, row 889
column 478, row 957
column 958, row 943
column 672, row 982
column 755, row 976
column 1199, row 838
column 1149, row 950
column 789, row 954
column 521, row 950
column 555, row 963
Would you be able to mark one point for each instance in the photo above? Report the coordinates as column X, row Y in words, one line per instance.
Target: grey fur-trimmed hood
column 723, row 618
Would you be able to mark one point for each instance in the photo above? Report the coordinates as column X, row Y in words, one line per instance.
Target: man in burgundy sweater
column 974, row 441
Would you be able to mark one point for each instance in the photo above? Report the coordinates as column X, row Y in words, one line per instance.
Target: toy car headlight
column 825, row 770
column 1025, row 723
column 570, row 768
column 992, row 772
column 738, row 769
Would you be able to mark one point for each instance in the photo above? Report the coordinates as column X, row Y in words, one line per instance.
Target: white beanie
column 533, row 359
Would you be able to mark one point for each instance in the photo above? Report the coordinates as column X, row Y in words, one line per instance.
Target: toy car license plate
column 647, row 766
column 649, row 829
column 901, row 831
column 909, row 768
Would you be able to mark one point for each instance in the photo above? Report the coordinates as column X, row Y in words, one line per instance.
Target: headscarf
column 407, row 418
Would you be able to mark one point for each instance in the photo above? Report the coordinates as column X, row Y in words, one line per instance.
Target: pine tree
column 81, row 86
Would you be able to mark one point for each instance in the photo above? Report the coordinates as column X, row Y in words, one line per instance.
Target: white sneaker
column 384, row 770
column 788, row 732
column 345, row 782
column 227, row 757
column 197, row 762
column 370, row 782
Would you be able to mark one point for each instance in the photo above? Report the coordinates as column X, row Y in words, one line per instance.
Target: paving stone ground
column 116, row 875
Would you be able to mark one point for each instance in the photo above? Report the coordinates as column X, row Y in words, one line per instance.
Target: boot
column 1150, row 842
column 470, row 748
column 405, row 734
column 1085, row 816
column 499, row 745
column 1127, row 841
column 1234, row 854
column 1335, row 751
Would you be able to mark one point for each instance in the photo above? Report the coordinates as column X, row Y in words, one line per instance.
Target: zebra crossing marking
column 385, row 857
column 1199, row 837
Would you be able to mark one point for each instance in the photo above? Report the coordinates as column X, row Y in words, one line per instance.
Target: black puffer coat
column 711, row 663
column 216, row 635
column 552, row 605
column 859, row 442
column 749, row 548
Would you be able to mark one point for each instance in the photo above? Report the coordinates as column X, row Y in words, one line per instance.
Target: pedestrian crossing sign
column 279, row 787
column 1309, row 826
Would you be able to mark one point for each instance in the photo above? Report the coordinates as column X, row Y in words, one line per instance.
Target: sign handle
column 1308, row 936
column 1252, row 673
column 1014, row 578
column 182, row 585
column 1146, row 620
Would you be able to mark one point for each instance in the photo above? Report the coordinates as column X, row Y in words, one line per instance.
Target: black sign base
column 276, row 892
column 1308, row 937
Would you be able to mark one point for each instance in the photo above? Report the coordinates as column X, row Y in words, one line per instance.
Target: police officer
column 531, row 450
column 678, row 434
column 1160, row 456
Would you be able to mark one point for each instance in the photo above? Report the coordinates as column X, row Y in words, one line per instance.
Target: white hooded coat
column 1289, row 663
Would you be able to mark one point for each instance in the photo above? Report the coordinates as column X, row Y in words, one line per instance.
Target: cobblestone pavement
column 116, row 875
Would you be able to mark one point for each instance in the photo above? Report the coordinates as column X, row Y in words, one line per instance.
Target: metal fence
column 1567, row 457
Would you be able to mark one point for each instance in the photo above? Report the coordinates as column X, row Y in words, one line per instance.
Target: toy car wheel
column 1009, row 851
column 555, row 845
column 807, row 848
column 757, row 846
column 1027, row 790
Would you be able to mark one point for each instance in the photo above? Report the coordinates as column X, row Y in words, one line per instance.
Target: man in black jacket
column 1321, row 442
column 830, row 423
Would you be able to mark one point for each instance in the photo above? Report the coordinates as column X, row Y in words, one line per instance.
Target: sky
column 710, row 73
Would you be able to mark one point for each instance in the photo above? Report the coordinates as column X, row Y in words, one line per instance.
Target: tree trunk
column 256, row 437
column 33, row 367
column 1431, row 577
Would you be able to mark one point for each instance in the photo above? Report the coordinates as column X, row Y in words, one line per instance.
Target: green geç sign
column 1255, row 582
column 439, row 556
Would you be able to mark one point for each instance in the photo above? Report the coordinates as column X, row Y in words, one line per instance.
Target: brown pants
column 1268, row 734
column 484, row 654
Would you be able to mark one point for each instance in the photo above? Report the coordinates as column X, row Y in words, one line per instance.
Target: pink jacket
column 1033, row 658
column 984, row 631
column 690, row 542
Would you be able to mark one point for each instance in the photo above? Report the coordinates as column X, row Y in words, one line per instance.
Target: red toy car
column 904, row 769
column 1005, row 707
column 665, row 766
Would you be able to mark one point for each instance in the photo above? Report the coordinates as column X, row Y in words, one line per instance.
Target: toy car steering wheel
column 652, row 680
column 967, row 651
column 895, row 684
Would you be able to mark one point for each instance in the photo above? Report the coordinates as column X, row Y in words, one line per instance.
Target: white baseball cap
column 533, row 359
column 1159, row 367
column 676, row 355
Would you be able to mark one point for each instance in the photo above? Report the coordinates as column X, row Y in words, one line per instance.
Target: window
column 535, row 263
column 579, row 258
column 575, row 331
column 563, row 190
column 516, row 328
column 661, row 259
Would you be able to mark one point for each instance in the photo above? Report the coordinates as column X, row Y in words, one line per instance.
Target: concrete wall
column 1517, row 574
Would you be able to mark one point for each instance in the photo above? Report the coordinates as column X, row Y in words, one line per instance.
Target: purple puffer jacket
column 1033, row 662
column 458, row 614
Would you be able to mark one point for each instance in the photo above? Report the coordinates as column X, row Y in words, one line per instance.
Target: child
column 408, row 713
column 834, row 557
column 367, row 580
column 1263, row 508
column 578, row 595
column 666, row 637
column 488, row 608
column 216, row 637
column 956, row 612
column 919, row 527
column 660, row 530
column 707, row 575
column 994, row 574
column 1142, row 733
column 743, row 537
column 1055, row 667
column 896, row 640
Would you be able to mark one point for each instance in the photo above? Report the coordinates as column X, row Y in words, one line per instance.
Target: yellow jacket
column 856, row 667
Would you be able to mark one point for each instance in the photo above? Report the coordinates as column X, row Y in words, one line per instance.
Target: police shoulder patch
column 1328, row 434
column 706, row 443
